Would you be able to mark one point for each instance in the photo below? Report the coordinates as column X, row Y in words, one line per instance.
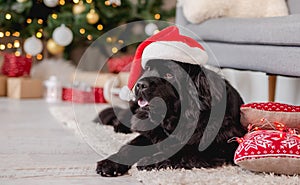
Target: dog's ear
column 200, row 104
column 211, row 88
column 190, row 104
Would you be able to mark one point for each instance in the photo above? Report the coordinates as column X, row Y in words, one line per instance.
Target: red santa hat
column 167, row 44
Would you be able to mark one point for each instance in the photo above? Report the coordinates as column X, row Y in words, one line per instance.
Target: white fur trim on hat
column 174, row 50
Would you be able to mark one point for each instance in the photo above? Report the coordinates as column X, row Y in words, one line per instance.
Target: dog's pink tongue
column 142, row 103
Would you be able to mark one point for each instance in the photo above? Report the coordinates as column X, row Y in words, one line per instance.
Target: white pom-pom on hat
column 125, row 93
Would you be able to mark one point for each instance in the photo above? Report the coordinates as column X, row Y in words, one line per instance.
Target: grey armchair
column 270, row 45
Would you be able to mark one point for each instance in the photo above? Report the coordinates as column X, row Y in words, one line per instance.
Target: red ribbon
column 79, row 96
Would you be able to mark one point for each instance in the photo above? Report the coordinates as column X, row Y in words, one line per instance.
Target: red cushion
column 273, row 106
column 252, row 113
column 269, row 151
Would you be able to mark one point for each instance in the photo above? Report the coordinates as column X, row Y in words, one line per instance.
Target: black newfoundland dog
column 192, row 107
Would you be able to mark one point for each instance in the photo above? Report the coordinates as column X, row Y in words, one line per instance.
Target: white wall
column 253, row 86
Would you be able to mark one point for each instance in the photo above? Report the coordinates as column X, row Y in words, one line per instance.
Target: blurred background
column 44, row 38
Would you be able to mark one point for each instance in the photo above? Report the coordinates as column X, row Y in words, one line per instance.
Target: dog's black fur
column 167, row 80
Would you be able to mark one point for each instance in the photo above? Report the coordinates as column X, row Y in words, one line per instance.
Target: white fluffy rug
column 105, row 142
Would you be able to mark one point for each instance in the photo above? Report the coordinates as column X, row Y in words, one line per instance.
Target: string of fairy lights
column 14, row 39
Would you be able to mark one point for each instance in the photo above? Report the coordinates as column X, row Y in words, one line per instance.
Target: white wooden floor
column 36, row 149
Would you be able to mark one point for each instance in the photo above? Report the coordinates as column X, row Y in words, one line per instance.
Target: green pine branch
column 110, row 17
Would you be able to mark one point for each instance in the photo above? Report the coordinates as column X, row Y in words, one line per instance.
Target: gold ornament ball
column 92, row 17
column 21, row 1
column 78, row 8
column 54, row 48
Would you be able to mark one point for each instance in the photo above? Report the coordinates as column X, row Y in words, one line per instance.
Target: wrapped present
column 24, row 88
column 1, row 61
column 123, row 77
column 3, row 85
column 118, row 64
column 94, row 79
column 99, row 97
column 15, row 66
column 83, row 93
column 113, row 87
column 77, row 95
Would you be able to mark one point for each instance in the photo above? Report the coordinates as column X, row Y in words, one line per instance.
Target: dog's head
column 156, row 92
column 168, row 91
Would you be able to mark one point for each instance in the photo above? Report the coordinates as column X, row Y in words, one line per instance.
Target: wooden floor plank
column 36, row 149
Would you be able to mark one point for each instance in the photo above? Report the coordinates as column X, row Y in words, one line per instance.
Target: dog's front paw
column 158, row 162
column 108, row 168
column 145, row 164
column 160, row 165
column 106, row 117
column 122, row 128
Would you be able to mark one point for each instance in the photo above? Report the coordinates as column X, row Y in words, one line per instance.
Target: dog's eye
column 147, row 68
column 168, row 76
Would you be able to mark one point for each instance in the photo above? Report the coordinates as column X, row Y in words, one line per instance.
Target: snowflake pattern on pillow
column 269, row 151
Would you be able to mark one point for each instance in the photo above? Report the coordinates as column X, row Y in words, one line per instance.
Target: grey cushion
column 294, row 6
column 274, row 31
column 264, row 58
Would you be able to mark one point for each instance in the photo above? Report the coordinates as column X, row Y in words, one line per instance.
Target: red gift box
column 99, row 96
column 80, row 96
column 15, row 66
column 118, row 64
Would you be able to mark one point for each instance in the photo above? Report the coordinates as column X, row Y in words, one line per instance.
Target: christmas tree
column 57, row 26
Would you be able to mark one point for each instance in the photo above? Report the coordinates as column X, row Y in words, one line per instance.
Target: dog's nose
column 142, row 85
